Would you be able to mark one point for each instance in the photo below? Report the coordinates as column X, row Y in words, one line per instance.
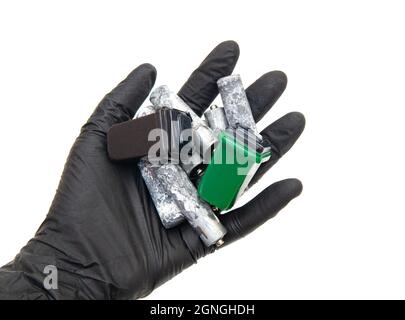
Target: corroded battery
column 216, row 118
column 167, row 207
column 197, row 212
column 236, row 104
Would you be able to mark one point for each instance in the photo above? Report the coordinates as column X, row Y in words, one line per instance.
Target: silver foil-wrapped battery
column 236, row 104
column 167, row 207
column 197, row 212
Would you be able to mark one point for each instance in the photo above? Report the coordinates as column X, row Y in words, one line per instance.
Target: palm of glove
column 103, row 232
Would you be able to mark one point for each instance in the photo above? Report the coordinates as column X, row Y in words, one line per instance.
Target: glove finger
column 266, row 205
column 201, row 88
column 265, row 91
column 124, row 100
column 282, row 135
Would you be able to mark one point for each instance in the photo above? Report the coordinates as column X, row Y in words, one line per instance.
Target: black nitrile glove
column 102, row 231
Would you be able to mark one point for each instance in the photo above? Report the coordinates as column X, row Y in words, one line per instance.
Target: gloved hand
column 102, row 231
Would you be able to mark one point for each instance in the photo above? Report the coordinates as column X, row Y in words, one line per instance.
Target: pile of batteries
column 193, row 167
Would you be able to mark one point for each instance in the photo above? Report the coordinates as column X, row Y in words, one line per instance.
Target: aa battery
column 158, row 185
column 197, row 212
column 236, row 104
column 216, row 118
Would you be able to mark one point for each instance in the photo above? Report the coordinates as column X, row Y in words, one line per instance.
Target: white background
column 343, row 238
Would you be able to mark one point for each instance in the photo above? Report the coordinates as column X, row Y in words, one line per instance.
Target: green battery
column 235, row 160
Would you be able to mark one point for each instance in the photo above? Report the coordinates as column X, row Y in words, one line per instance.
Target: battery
column 197, row 212
column 216, row 118
column 168, row 208
column 236, row 103
column 131, row 139
column 235, row 160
